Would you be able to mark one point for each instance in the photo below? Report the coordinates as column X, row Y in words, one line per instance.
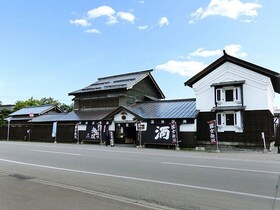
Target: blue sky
column 49, row 48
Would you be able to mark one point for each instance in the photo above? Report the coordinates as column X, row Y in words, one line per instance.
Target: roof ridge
column 43, row 105
column 170, row 100
column 125, row 74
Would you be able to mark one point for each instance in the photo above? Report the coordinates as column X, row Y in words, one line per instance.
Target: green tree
column 4, row 113
column 43, row 101
column 28, row 103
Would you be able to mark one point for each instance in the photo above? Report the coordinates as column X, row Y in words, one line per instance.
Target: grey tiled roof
column 34, row 110
column 166, row 109
column 95, row 114
column 122, row 81
column 49, row 117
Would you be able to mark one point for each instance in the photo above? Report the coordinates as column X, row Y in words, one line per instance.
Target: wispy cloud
column 233, row 9
column 101, row 11
column 184, row 68
column 106, row 11
column 80, row 22
column 142, row 2
column 93, row 31
column 232, row 49
column 163, row 21
column 201, row 52
column 235, row 50
column 112, row 17
column 191, row 66
column 143, row 27
column 127, row 16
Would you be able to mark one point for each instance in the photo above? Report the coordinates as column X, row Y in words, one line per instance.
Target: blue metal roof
column 36, row 110
column 85, row 115
column 166, row 109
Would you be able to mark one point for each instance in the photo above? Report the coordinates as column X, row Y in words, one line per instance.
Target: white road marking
column 147, row 153
column 222, row 168
column 104, row 195
column 47, row 151
column 143, row 180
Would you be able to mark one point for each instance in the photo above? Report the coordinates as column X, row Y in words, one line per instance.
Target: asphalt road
column 69, row 176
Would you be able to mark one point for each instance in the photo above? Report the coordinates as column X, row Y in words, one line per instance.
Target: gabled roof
column 274, row 76
column 165, row 109
column 122, row 81
column 36, row 110
column 85, row 115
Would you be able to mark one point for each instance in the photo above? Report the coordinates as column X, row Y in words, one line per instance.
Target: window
column 229, row 121
column 218, row 95
column 219, row 119
column 228, row 95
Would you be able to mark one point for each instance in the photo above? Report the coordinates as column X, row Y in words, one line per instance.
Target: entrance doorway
column 125, row 133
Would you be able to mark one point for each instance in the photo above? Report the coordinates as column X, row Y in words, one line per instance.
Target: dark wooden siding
column 99, row 103
column 254, row 122
column 40, row 132
column 118, row 97
column 142, row 89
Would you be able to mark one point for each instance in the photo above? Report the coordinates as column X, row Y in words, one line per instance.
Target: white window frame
column 221, row 96
column 221, row 121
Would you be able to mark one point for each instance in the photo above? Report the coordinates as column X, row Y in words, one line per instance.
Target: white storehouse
column 240, row 96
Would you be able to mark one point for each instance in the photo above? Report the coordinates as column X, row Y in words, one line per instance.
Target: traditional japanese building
column 127, row 109
column 117, row 90
column 240, row 96
column 130, row 109
column 19, row 126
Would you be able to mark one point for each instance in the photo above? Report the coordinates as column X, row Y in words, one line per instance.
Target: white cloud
column 235, row 50
column 184, row 68
column 201, row 52
column 126, row 16
column 143, row 27
column 228, row 8
column 107, row 11
column 111, row 16
column 232, row 49
column 141, row 2
column 163, row 21
column 80, row 22
column 101, row 11
column 93, row 31
column 190, row 68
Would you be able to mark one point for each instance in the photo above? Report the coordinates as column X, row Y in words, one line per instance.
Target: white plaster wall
column 258, row 92
column 112, row 126
column 129, row 118
column 188, row 127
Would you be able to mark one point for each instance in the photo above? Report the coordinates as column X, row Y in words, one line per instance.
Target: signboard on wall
column 162, row 133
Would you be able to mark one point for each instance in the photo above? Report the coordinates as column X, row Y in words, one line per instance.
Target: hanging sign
column 54, row 128
column 111, row 137
column 76, row 131
column 212, row 129
column 174, row 136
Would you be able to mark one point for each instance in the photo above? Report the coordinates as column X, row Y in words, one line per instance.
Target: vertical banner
column 174, row 135
column 111, row 138
column 92, row 133
column 212, row 129
column 54, row 129
column 76, row 132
